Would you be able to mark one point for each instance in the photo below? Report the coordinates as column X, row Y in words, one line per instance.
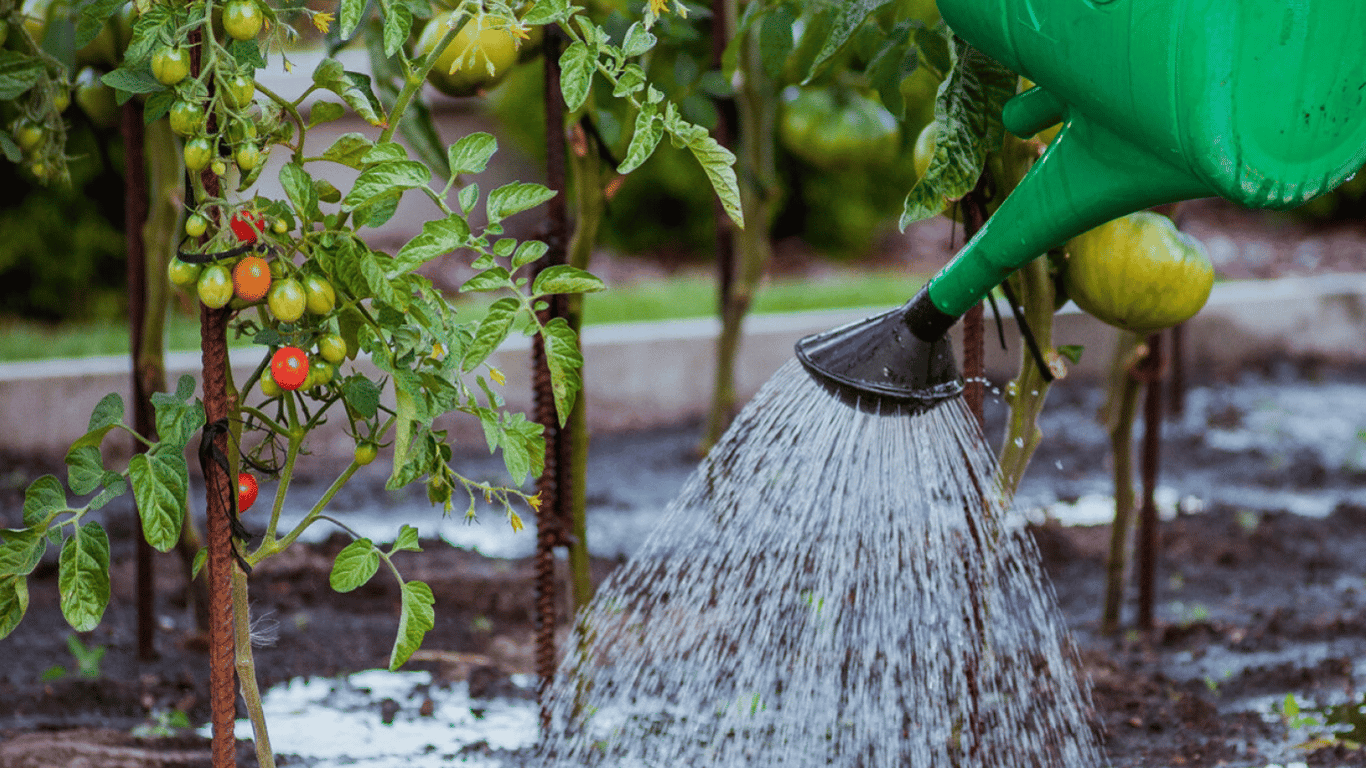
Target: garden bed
column 1262, row 593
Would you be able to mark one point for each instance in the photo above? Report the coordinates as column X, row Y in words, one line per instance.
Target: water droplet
column 1058, row 465
column 1019, row 442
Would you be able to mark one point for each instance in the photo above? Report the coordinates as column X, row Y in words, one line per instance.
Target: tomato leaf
column 848, row 16
column 468, row 198
column 246, row 54
column 159, row 487
column 490, row 279
column 349, row 17
column 21, row 549
column 18, row 73
column 114, row 487
column 438, row 237
column 299, row 188
column 514, row 198
column 523, row 446
column 716, row 161
column 638, row 40
column 353, row 87
column 362, row 395
column 527, row 252
column 84, row 469
column 384, row 178
column 384, row 152
column 43, row 498
column 13, row 603
column 548, row 12
column 414, row 620
column 493, row 329
column 398, row 22
column 325, row 112
column 83, row 577
column 471, row 153
column 564, row 360
column 126, row 81
column 562, row 278
column 776, row 41
column 355, row 565
column 407, row 540
column 649, row 130
column 92, row 18
column 1072, row 352
column 348, row 150
column 577, row 64
column 178, row 418
column 11, row 150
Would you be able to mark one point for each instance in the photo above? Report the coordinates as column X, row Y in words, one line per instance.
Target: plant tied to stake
column 298, row 279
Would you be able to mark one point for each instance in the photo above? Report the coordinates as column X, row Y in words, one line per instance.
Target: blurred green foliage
column 1346, row 203
column 61, row 248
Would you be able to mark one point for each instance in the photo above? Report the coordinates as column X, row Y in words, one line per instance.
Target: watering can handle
column 1088, row 176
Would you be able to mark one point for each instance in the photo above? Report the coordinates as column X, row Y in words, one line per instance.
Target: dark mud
column 1261, row 593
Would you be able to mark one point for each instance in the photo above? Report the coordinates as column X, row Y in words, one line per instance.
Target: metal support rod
column 1176, row 388
column 1152, row 444
column 552, row 485
column 135, row 205
column 218, row 487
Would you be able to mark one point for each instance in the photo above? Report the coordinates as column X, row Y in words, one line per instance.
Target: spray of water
column 831, row 587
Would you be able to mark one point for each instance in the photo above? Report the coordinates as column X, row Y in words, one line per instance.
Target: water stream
column 830, row 587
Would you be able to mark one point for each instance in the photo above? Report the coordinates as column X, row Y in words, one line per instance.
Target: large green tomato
column 238, row 91
column 215, row 286
column 459, row 70
column 1138, row 273
column 286, row 300
column 187, row 118
column 170, row 65
column 832, row 128
column 242, row 19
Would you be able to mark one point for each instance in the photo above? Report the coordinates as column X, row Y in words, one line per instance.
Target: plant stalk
column 246, row 670
column 1119, row 413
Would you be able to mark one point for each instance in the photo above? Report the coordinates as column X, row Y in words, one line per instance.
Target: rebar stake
column 1153, row 369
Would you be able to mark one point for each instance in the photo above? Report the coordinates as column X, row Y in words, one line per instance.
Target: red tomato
column 246, row 491
column 247, row 225
column 289, row 367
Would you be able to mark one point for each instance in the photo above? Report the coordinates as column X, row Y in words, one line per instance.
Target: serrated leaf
column 21, row 549
column 126, row 81
column 159, row 487
column 849, row 14
column 325, row 112
column 84, row 469
column 548, row 12
column 468, row 198
column 362, row 395
column 18, row 73
column 577, row 64
column 490, row 279
column 562, row 278
column 374, row 276
column 354, row 88
column 13, row 603
column 527, row 252
column 471, row 153
column 638, row 40
column 158, row 104
column 355, row 565
column 299, row 188
column 407, row 540
column 386, row 178
column 719, row 165
column 349, row 17
column 514, row 198
column 43, row 497
column 493, row 329
column 385, row 152
column 397, row 24
column 649, row 130
column 415, row 619
column 438, row 237
column 564, row 360
column 349, row 149
column 83, row 577
column 114, row 487
column 246, row 54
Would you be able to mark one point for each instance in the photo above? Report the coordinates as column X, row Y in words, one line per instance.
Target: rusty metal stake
column 1153, row 369
column 144, row 418
column 553, row 484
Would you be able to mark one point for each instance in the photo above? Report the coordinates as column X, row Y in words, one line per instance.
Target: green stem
column 413, row 82
column 1120, row 411
column 266, row 550
column 1026, row 394
column 246, row 669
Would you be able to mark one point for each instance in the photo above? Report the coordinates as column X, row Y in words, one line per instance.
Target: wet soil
column 1254, row 602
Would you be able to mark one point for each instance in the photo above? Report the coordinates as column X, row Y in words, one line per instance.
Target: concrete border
column 642, row 375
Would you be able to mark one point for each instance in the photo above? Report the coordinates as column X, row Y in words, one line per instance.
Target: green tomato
column 187, row 118
column 62, row 98
column 28, row 134
column 332, row 347
column 170, row 65
column 96, row 99
column 218, row 167
column 287, row 300
column 279, row 226
column 247, row 157
column 461, row 70
column 198, row 153
column 366, row 452
column 319, row 373
column 196, row 225
column 242, row 19
column 1138, row 273
column 832, row 128
column 268, row 386
column 183, row 273
column 215, row 286
column 238, row 91
column 321, row 296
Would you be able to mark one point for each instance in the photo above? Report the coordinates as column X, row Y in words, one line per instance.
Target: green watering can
column 1262, row 102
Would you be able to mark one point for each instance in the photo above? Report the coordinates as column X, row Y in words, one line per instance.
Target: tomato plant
column 251, row 278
